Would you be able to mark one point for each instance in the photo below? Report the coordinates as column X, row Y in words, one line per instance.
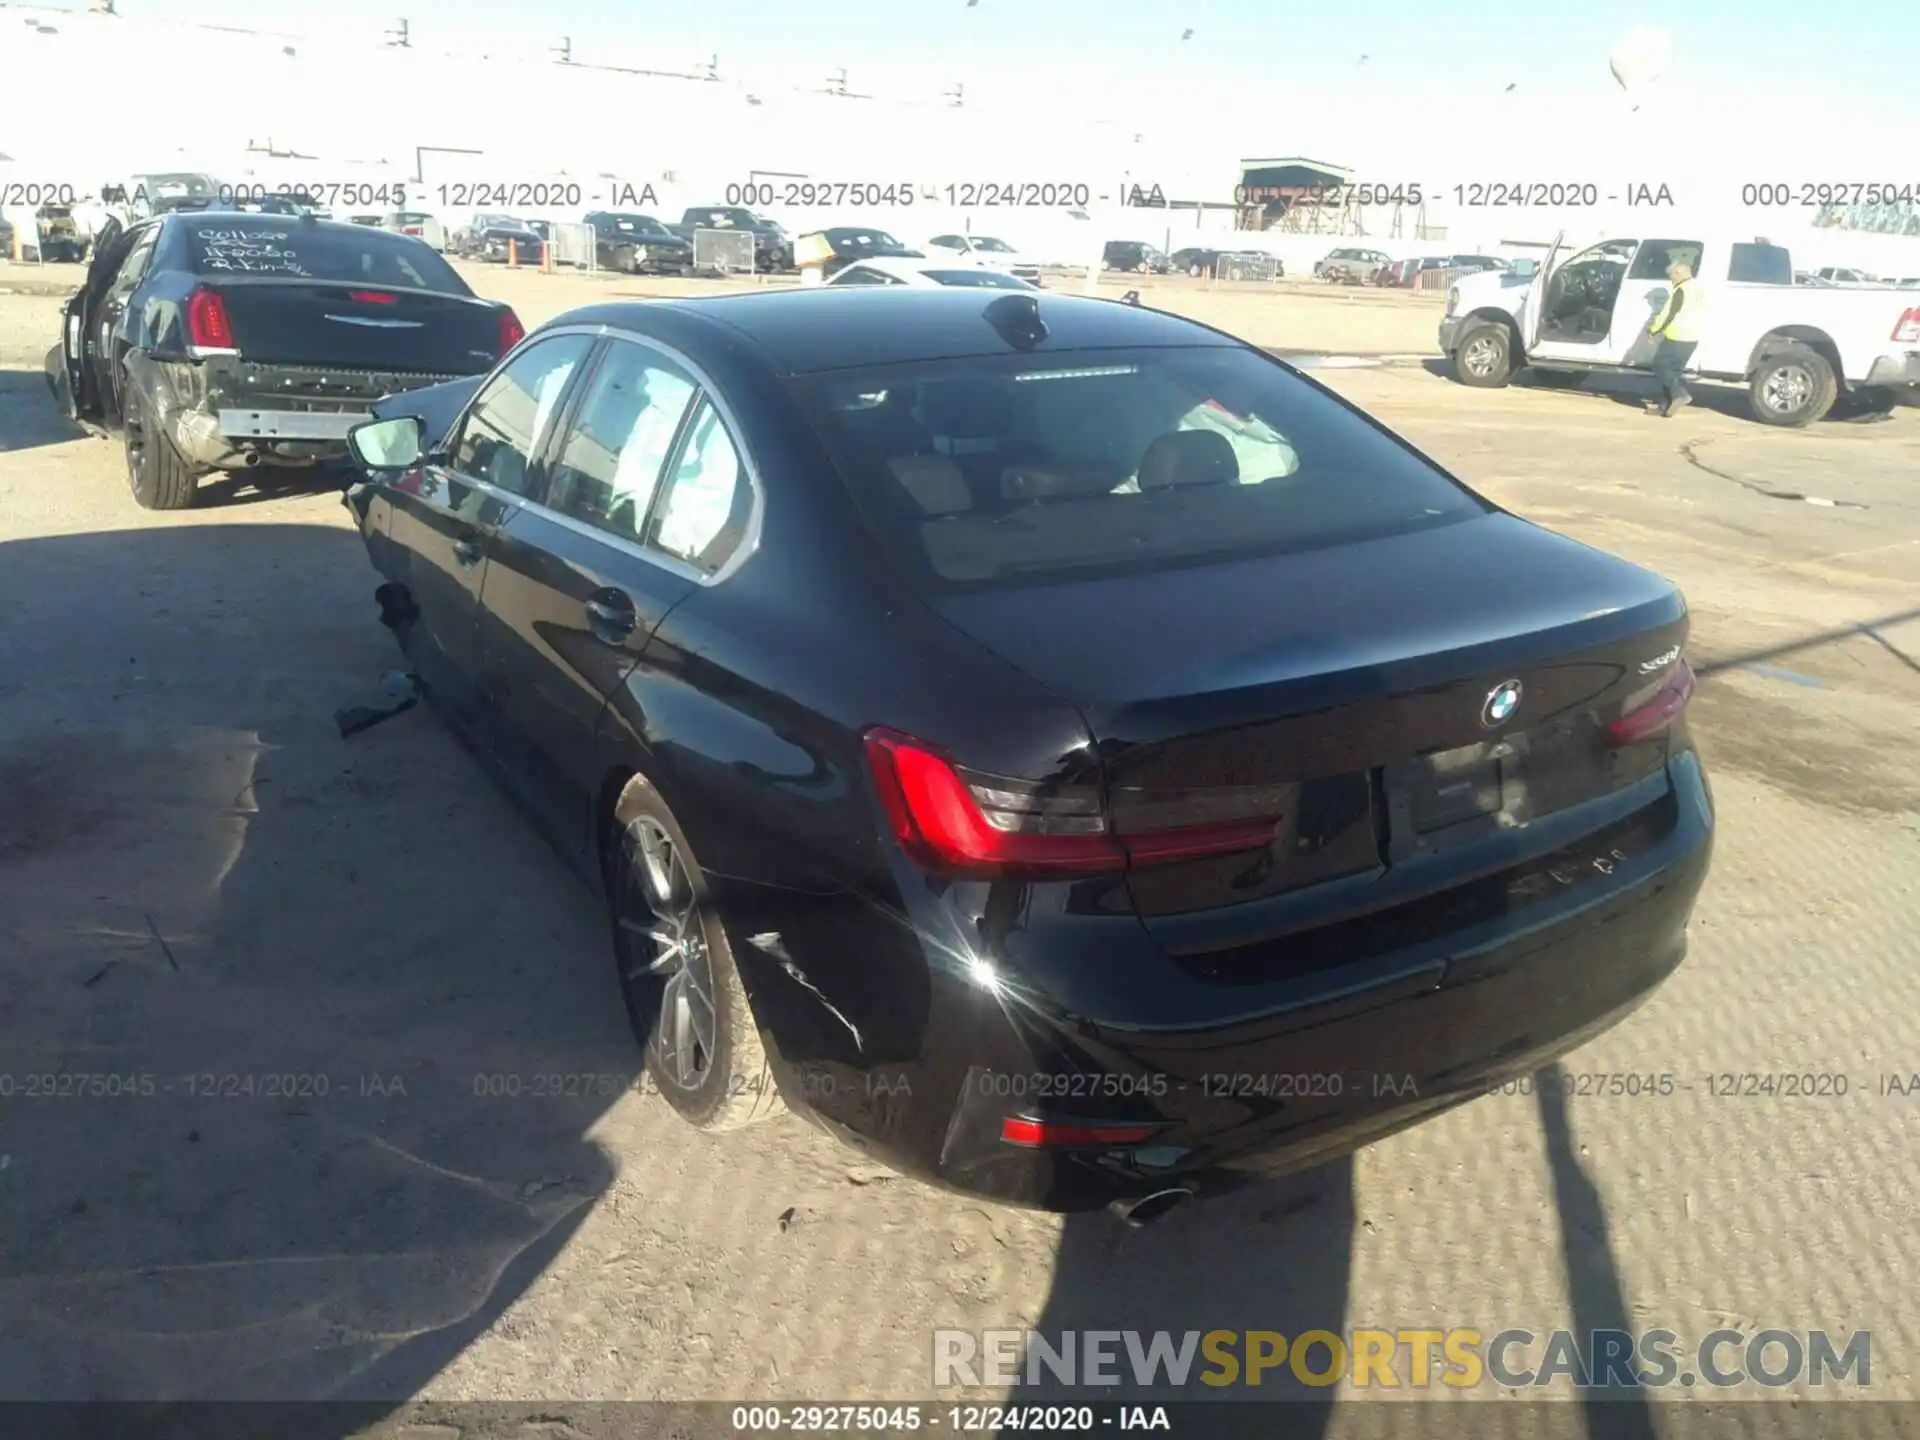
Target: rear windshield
column 236, row 247
column 982, row 474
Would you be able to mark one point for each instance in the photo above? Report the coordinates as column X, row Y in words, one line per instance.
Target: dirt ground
column 200, row 879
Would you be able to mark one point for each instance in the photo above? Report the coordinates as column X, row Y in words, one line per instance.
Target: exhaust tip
column 1151, row 1208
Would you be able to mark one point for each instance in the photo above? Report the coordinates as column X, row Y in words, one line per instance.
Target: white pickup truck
column 1797, row 348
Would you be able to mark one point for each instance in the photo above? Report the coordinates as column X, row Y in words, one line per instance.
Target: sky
column 1246, row 59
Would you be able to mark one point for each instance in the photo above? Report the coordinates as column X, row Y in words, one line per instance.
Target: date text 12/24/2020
column 1467, row 195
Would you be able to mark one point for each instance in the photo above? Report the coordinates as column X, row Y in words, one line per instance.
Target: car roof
column 835, row 327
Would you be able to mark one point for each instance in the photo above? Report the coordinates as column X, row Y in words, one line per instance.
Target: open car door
column 80, row 395
column 1537, row 292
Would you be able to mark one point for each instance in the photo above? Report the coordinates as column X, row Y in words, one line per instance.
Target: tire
column 1484, row 356
column 673, row 960
column 1792, row 386
column 158, row 474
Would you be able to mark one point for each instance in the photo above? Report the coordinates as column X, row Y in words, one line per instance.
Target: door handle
column 468, row 552
column 611, row 616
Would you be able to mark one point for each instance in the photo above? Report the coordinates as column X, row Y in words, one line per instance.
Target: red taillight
column 1035, row 1133
column 1648, row 716
column 968, row 824
column 512, row 332
column 208, row 327
column 1907, row 332
column 373, row 297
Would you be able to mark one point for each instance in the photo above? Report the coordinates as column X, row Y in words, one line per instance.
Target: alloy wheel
column 666, row 965
column 1787, row 389
column 1480, row 356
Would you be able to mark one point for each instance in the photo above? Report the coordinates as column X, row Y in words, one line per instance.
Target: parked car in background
column 497, row 239
column 987, row 250
column 848, row 243
column 375, row 221
column 772, row 249
column 214, row 340
column 1351, row 265
column 928, row 273
column 639, row 244
column 1797, row 353
column 1181, row 723
column 163, row 192
column 60, row 237
column 1134, row 255
column 1201, row 260
column 409, row 222
column 1846, row 275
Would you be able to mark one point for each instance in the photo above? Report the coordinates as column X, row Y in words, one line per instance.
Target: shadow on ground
column 266, row 976
column 28, row 416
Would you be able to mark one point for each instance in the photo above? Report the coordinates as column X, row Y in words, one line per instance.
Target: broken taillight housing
column 1652, row 710
column 960, row 822
column 208, row 325
column 1907, row 332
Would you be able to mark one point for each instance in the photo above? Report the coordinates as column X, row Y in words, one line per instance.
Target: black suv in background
column 639, row 244
column 1134, row 255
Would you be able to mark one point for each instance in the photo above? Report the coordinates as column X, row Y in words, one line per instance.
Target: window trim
column 704, row 388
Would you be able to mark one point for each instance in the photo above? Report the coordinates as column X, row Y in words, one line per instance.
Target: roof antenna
column 1017, row 319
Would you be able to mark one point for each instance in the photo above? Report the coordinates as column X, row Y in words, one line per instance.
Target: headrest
column 934, row 482
column 1188, row 457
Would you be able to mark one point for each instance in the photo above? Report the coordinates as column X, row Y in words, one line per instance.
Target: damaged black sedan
column 219, row 341
column 1063, row 749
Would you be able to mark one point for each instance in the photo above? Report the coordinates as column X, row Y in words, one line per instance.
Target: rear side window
column 238, row 245
column 1757, row 264
column 1656, row 255
column 990, row 473
column 704, row 510
column 610, row 464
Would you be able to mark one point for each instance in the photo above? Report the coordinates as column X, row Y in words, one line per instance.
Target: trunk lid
column 354, row 326
column 1349, row 691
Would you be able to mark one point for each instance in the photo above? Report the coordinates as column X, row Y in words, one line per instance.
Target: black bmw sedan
column 1058, row 748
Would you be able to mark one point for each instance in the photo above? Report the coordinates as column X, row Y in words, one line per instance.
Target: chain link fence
column 723, row 252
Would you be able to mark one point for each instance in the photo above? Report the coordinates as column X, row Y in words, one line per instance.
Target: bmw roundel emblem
column 1502, row 701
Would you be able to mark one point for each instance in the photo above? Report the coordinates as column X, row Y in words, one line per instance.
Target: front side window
column 703, row 512
column 1026, row 469
column 609, row 465
column 503, row 430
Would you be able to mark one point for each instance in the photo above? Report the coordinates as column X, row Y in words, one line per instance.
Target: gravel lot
column 199, row 878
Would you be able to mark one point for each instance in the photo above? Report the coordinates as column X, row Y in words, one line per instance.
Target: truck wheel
column 1484, row 356
column 1793, row 386
column 158, row 474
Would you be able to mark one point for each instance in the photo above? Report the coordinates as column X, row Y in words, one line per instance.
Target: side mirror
column 396, row 444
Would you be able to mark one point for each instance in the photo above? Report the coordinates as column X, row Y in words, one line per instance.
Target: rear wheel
column 1484, row 356
column 1793, row 386
column 683, row 993
column 158, row 474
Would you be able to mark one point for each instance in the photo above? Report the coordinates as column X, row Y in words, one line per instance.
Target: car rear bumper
column 1239, row 1081
column 231, row 414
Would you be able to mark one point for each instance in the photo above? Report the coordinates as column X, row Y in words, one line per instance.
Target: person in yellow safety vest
column 1678, row 329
